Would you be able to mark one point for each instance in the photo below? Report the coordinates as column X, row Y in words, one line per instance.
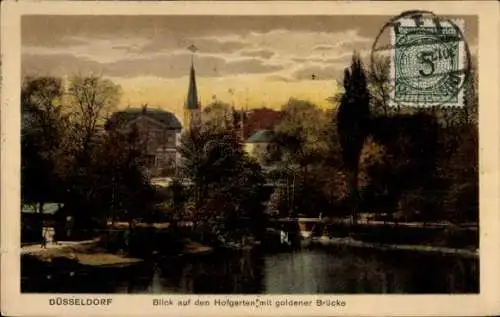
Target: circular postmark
column 428, row 56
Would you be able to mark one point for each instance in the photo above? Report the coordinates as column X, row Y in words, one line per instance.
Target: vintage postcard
column 250, row 158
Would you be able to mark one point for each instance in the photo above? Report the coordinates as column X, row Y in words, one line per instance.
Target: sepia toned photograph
column 249, row 154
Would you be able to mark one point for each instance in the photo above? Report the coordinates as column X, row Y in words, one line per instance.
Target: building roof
column 125, row 116
column 261, row 119
column 261, row 136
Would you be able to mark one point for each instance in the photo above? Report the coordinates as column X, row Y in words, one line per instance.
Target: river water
column 346, row 271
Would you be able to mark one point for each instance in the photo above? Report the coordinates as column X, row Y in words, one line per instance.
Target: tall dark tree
column 42, row 135
column 90, row 100
column 124, row 187
column 353, row 118
column 380, row 87
column 226, row 183
column 301, row 134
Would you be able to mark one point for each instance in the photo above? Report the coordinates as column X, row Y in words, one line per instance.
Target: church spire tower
column 192, row 108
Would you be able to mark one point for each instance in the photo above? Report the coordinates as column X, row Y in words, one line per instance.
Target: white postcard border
column 15, row 304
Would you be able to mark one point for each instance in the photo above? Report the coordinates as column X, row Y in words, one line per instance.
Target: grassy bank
column 84, row 254
column 351, row 243
column 452, row 237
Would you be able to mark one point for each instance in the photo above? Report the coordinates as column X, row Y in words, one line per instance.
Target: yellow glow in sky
column 252, row 91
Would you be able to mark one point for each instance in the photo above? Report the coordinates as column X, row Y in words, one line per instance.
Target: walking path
column 36, row 248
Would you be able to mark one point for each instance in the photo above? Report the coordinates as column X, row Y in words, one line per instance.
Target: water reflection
column 306, row 271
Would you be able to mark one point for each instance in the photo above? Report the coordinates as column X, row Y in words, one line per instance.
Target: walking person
column 44, row 242
column 44, row 238
column 54, row 237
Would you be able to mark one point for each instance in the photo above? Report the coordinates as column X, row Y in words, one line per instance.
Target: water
column 347, row 271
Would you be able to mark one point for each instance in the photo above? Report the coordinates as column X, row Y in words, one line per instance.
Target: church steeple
column 192, row 108
column 192, row 97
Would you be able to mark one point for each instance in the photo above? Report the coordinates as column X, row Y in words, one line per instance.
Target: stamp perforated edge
column 463, row 60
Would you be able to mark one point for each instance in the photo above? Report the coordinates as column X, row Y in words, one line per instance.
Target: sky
column 250, row 61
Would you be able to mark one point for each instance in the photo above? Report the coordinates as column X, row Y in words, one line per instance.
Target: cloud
column 279, row 50
column 50, row 39
column 252, row 66
column 300, row 59
column 41, row 29
column 168, row 42
column 347, row 56
column 100, row 50
column 127, row 48
column 263, row 53
column 58, row 65
column 273, row 54
column 160, row 51
column 217, row 46
column 324, row 48
column 321, row 60
column 175, row 66
column 164, row 66
column 344, row 57
column 307, row 43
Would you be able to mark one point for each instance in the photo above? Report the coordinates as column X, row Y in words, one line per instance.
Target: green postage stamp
column 429, row 61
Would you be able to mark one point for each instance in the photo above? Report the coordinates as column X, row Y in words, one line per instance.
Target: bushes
column 394, row 234
column 419, row 170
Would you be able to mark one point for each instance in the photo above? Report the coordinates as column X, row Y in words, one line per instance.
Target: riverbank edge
column 349, row 242
column 79, row 251
column 86, row 259
column 88, row 253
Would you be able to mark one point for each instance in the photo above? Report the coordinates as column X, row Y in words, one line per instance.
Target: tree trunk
column 40, row 216
column 353, row 191
column 131, row 229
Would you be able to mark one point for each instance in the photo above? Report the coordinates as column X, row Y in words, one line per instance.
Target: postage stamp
column 430, row 60
column 249, row 158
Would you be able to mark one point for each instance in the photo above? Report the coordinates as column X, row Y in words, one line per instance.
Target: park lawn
column 193, row 247
column 86, row 255
column 104, row 259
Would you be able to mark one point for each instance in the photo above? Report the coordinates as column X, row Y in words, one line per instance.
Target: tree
column 380, row 85
column 218, row 115
column 209, row 158
column 398, row 146
column 90, row 100
column 278, row 202
column 226, row 182
column 66, row 158
column 458, row 168
column 302, row 134
column 43, row 132
column 178, row 197
column 471, row 99
column 284, row 178
column 120, row 162
column 353, row 119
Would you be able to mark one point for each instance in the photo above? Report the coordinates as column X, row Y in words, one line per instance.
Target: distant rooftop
column 124, row 116
column 261, row 136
